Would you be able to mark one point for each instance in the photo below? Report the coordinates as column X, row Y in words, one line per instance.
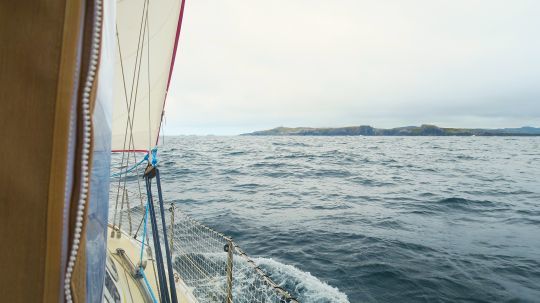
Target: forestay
column 147, row 35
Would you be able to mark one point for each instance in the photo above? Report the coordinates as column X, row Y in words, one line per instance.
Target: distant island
column 423, row 130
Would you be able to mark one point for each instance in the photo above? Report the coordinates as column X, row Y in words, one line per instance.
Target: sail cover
column 147, row 36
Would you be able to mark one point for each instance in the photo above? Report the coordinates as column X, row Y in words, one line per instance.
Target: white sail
column 147, row 37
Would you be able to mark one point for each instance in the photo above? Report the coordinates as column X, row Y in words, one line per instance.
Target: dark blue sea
column 371, row 219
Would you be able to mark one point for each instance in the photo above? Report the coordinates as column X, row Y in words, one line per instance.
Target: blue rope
column 144, row 230
column 141, row 270
column 131, row 168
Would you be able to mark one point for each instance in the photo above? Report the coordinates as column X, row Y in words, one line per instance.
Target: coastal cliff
column 423, row 130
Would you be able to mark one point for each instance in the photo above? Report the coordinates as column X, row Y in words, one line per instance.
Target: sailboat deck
column 125, row 286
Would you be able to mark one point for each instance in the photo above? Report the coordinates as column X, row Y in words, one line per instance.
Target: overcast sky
column 246, row 65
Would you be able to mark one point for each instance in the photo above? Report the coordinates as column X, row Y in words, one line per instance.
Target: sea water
column 371, row 219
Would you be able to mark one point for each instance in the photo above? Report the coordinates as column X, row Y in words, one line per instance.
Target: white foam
column 303, row 285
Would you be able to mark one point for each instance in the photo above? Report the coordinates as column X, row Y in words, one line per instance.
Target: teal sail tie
column 154, row 156
column 131, row 168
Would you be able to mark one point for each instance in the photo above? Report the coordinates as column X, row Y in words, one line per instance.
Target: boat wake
column 302, row 285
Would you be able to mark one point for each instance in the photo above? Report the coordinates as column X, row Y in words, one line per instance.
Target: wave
column 236, row 153
column 455, row 202
column 302, row 285
column 247, row 185
column 460, row 204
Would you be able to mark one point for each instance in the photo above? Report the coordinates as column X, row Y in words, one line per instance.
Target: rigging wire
column 129, row 122
column 144, row 25
column 128, row 105
column 148, row 78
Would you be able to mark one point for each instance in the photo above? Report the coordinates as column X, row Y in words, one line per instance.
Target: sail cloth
column 147, row 36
